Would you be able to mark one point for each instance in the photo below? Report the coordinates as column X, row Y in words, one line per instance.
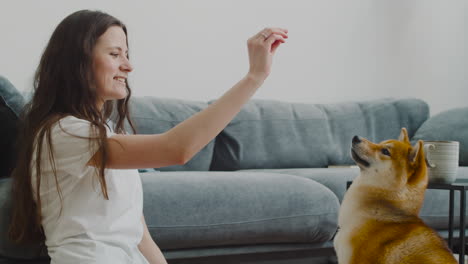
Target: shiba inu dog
column 378, row 218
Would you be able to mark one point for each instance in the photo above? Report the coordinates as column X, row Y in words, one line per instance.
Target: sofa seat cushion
column 206, row 209
column 436, row 203
column 333, row 178
column 272, row 134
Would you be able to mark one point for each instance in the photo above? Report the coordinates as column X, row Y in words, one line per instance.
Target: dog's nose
column 356, row 140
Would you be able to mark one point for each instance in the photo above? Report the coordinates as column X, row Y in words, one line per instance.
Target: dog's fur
column 378, row 218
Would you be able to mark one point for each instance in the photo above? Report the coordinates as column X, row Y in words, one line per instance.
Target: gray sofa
column 269, row 187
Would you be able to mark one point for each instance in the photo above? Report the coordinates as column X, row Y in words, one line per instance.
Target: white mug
column 442, row 160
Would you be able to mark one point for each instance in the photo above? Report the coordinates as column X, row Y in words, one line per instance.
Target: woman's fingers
column 274, row 41
column 270, row 38
column 267, row 32
column 274, row 37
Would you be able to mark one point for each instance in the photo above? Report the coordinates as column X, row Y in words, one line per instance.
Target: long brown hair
column 63, row 85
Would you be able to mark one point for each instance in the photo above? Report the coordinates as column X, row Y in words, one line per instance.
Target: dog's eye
column 385, row 152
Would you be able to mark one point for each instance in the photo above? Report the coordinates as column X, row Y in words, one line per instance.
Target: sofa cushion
column 272, row 134
column 12, row 97
column 449, row 125
column 436, row 203
column 8, row 132
column 333, row 178
column 11, row 102
column 155, row 115
column 7, row 248
column 201, row 209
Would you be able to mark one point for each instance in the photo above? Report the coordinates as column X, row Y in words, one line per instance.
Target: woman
column 76, row 183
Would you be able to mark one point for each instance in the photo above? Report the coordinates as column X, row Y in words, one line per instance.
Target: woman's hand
column 262, row 46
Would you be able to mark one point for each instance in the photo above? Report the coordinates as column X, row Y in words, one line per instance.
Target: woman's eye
column 385, row 152
column 114, row 54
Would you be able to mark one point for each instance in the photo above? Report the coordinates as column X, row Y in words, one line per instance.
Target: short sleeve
column 72, row 145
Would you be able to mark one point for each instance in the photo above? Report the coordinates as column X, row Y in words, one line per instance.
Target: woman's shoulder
column 67, row 123
column 73, row 123
column 70, row 120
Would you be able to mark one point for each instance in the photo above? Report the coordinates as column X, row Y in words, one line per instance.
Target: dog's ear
column 417, row 162
column 404, row 136
column 416, row 155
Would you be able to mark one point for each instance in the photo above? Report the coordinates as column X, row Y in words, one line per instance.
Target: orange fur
column 379, row 222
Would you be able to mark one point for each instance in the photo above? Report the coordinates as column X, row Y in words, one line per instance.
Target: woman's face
column 111, row 65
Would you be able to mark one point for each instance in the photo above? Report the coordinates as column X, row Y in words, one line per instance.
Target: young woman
column 76, row 183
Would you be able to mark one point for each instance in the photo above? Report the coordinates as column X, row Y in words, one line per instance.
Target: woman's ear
column 404, row 136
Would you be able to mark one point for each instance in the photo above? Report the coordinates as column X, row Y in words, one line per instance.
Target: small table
column 460, row 185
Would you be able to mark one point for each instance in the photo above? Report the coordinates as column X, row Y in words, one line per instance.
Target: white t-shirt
column 89, row 229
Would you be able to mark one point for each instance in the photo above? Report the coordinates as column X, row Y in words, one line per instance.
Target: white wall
column 337, row 50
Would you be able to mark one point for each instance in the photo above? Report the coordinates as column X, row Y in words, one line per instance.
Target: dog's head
column 391, row 164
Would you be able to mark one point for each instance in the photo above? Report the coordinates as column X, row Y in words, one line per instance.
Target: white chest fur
column 349, row 219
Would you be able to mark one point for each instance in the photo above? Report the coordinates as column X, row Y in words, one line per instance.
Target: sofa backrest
column 273, row 134
column 11, row 96
column 449, row 125
column 153, row 115
column 11, row 103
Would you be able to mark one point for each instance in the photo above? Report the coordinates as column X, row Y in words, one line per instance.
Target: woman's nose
column 126, row 66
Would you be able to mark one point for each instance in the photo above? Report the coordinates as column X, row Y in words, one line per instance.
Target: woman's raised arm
column 179, row 144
